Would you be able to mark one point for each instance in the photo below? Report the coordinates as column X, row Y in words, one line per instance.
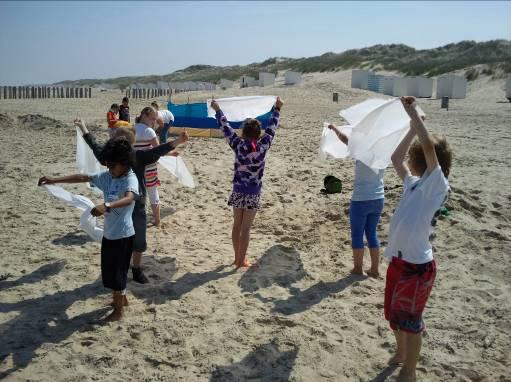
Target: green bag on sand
column 332, row 184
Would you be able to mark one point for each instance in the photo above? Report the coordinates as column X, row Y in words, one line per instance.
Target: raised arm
column 343, row 137
column 425, row 138
column 90, row 139
column 76, row 178
column 229, row 133
column 269, row 132
column 399, row 154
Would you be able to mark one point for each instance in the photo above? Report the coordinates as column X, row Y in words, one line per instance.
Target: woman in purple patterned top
column 250, row 152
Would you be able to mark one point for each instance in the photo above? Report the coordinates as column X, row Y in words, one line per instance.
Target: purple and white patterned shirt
column 248, row 164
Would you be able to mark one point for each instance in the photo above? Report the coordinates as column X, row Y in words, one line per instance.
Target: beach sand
column 300, row 316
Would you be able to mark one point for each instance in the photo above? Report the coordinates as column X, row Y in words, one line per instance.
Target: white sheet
column 330, row 144
column 88, row 223
column 238, row 109
column 377, row 128
column 85, row 159
column 177, row 167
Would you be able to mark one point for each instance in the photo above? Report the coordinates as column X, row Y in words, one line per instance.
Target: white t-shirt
column 410, row 227
column 144, row 136
column 368, row 185
column 166, row 116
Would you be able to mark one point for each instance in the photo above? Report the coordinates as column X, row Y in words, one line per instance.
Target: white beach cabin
column 266, row 79
column 452, row 86
column 247, row 81
column 226, row 84
column 359, row 78
column 292, row 78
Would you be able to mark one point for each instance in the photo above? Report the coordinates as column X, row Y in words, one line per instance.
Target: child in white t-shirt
column 146, row 139
column 412, row 270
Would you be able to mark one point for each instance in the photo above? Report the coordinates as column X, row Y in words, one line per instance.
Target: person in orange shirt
column 112, row 118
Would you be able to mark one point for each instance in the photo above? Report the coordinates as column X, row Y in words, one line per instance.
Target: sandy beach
column 300, row 316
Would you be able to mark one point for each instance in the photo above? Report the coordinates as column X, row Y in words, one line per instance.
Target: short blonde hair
column 127, row 132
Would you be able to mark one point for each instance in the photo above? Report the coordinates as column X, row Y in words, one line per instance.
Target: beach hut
column 508, row 88
column 266, row 79
column 375, row 83
column 388, row 85
column 359, row 78
column 292, row 78
column 418, row 86
column 226, row 84
column 247, row 81
column 452, row 86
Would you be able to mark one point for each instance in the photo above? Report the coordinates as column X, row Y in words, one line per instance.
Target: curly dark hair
column 251, row 129
column 443, row 154
column 118, row 150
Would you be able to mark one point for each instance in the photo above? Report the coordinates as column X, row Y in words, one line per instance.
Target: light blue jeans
column 364, row 217
column 164, row 132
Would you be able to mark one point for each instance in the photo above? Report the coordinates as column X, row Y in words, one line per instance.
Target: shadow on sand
column 266, row 363
column 282, row 266
column 43, row 319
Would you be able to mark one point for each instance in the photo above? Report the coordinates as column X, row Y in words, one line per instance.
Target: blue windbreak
column 195, row 115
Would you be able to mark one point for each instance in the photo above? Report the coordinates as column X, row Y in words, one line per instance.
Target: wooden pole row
column 32, row 92
column 146, row 93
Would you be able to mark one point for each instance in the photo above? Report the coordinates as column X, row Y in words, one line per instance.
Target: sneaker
column 138, row 276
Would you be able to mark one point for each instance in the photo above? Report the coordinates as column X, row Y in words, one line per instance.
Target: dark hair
column 118, row 150
column 443, row 154
column 145, row 111
column 251, row 129
column 114, row 106
column 125, row 99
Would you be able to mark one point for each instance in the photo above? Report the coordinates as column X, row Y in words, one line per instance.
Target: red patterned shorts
column 407, row 290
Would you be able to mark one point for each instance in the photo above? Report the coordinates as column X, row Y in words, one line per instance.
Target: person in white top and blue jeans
column 366, row 208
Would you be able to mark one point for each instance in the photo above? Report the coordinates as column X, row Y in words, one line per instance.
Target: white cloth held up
column 331, row 145
column 378, row 126
column 237, row 109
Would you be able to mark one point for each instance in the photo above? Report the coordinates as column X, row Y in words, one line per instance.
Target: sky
column 46, row 42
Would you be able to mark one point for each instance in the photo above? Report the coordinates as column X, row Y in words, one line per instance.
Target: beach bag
column 332, row 185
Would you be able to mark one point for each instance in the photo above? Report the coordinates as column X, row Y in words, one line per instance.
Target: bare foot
column 116, row 315
column 372, row 273
column 124, row 302
column 406, row 376
column 245, row 264
column 397, row 359
column 355, row 271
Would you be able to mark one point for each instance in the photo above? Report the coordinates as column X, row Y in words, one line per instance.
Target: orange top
column 111, row 119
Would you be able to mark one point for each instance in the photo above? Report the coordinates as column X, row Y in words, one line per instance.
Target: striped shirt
column 144, row 136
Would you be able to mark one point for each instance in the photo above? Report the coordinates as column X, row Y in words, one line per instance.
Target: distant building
column 452, row 86
column 360, row 78
column 266, row 79
column 292, row 78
